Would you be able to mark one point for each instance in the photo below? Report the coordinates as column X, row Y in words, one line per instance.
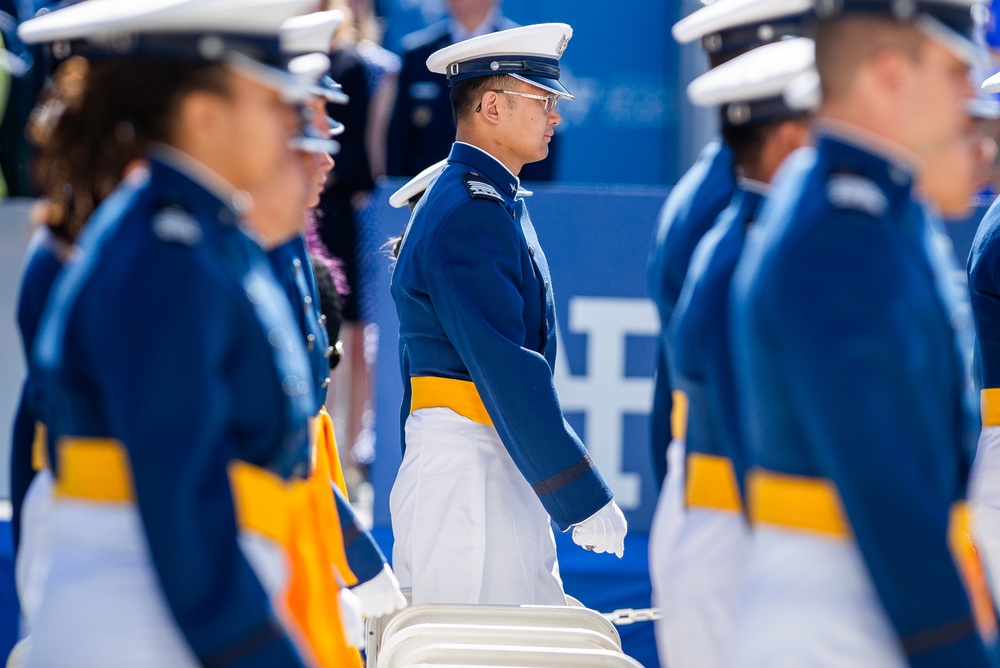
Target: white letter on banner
column 604, row 395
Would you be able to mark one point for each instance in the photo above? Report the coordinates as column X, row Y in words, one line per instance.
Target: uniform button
column 310, row 341
column 307, row 300
column 328, row 353
column 546, row 286
column 297, row 263
column 321, row 320
column 326, row 383
column 531, row 251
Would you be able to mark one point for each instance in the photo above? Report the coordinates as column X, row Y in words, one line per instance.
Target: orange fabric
column 679, row 415
column 966, row 556
column 317, row 555
column 40, row 448
column 325, row 431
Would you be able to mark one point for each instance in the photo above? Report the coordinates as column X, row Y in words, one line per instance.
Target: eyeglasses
column 551, row 100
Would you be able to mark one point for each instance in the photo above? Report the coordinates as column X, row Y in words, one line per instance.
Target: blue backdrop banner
column 622, row 67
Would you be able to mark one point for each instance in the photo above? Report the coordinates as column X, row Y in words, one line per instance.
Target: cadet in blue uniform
column 764, row 113
column 73, row 183
column 984, row 492
column 725, row 28
column 177, row 396
column 375, row 584
column 849, row 372
column 488, row 457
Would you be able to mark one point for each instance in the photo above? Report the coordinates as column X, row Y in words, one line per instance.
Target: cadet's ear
column 489, row 107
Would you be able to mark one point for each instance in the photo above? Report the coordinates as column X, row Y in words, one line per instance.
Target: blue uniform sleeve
column 21, row 470
column 170, row 382
column 42, row 267
column 363, row 554
column 475, row 279
column 884, row 436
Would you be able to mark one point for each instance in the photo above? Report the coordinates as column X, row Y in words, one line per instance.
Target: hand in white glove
column 380, row 595
column 604, row 531
column 350, row 618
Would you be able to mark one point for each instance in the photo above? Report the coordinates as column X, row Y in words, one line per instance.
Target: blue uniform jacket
column 474, row 299
column 171, row 335
column 848, row 369
column 43, row 264
column 294, row 271
column 692, row 207
column 984, row 289
column 699, row 331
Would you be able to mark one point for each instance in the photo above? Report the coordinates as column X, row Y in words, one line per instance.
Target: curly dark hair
column 94, row 118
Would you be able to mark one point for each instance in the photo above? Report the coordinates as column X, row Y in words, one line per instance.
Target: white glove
column 380, row 595
column 350, row 618
column 604, row 531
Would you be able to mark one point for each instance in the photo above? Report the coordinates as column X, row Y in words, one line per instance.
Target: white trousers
column 468, row 528
column 699, row 590
column 984, row 495
column 809, row 601
column 101, row 603
column 36, row 511
column 663, row 533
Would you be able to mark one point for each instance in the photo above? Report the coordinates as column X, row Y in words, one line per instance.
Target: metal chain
column 627, row 616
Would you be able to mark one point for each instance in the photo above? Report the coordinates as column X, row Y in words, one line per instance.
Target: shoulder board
column 425, row 36
column 480, row 189
column 850, row 191
column 176, row 225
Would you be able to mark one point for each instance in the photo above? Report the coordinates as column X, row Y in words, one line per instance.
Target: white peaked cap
column 723, row 15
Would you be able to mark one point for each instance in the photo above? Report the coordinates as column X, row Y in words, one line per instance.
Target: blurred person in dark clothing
column 422, row 128
column 340, row 226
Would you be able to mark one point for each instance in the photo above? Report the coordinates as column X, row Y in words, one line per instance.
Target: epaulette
column 424, row 36
column 480, row 189
column 176, row 225
column 850, row 191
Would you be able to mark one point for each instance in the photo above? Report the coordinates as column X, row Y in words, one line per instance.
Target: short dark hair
column 747, row 141
column 465, row 95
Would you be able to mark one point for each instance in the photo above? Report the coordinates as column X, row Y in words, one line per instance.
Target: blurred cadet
column 72, row 184
column 984, row 491
column 175, row 425
column 352, row 550
column 487, row 452
column 765, row 116
column 422, row 125
column 846, row 327
column 951, row 181
column 726, row 28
